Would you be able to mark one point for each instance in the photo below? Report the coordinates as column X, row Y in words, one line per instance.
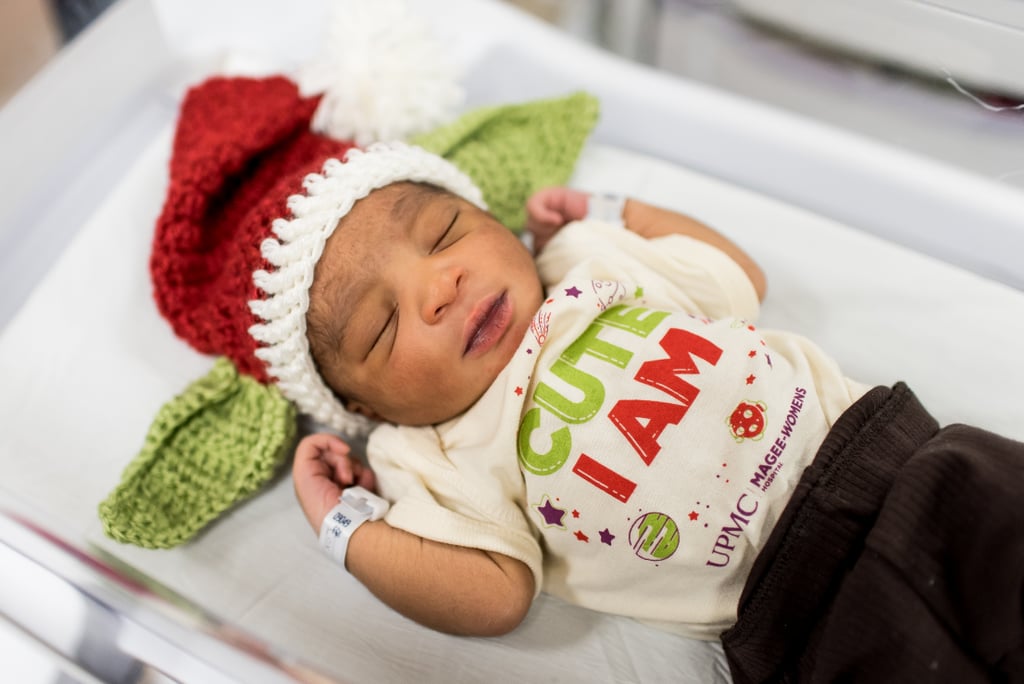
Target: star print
column 582, row 537
column 529, row 351
column 549, row 301
column 552, row 516
column 639, row 292
column 751, row 328
column 752, row 353
column 694, row 515
column 519, row 391
column 769, row 358
column 575, row 513
column 751, row 378
column 573, row 291
column 606, row 536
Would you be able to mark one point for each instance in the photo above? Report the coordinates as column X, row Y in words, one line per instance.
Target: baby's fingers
column 344, row 469
column 366, row 478
column 542, row 208
column 313, row 445
column 310, row 455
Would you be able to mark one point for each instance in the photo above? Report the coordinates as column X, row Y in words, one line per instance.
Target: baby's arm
column 548, row 210
column 449, row 588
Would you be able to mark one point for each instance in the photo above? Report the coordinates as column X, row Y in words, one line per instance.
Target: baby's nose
column 442, row 291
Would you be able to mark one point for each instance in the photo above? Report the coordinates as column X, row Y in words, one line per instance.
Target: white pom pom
column 382, row 75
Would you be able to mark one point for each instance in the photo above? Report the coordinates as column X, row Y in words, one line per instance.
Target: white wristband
column 607, row 207
column 355, row 506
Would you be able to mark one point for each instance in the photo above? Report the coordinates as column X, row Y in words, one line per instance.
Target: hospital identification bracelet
column 607, row 207
column 355, row 506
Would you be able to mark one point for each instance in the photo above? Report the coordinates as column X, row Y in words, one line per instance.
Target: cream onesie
column 642, row 441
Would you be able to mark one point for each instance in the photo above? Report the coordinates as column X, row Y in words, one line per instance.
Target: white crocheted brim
column 294, row 253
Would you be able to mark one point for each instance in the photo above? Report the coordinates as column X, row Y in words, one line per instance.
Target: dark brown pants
column 900, row 558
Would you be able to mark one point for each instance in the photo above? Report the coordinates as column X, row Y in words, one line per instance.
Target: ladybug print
column 747, row 421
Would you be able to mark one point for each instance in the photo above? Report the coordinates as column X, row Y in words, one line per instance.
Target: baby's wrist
column 607, row 207
column 355, row 506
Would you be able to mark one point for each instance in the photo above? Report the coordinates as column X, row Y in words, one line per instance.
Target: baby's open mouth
column 487, row 324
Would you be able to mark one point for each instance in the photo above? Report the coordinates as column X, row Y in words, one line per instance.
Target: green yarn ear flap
column 212, row 446
column 512, row 151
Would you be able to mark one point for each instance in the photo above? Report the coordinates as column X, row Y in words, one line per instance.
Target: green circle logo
column 654, row 536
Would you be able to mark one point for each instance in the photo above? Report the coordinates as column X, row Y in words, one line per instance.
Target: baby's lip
column 487, row 324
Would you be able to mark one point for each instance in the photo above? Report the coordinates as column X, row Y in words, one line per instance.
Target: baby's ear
column 353, row 406
column 214, row 445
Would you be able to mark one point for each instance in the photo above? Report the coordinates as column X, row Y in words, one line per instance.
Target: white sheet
column 87, row 362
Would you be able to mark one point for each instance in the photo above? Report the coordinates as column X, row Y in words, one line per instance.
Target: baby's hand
column 549, row 209
column 323, row 467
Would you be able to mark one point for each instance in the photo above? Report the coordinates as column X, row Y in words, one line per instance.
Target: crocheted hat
column 260, row 176
column 254, row 195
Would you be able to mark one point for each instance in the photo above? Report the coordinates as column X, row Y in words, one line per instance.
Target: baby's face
column 424, row 298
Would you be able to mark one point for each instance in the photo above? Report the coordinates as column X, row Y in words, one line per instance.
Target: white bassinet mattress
column 87, row 363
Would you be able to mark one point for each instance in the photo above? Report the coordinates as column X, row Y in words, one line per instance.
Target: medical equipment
column 978, row 41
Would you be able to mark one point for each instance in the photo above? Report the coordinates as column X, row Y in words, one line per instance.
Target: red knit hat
column 253, row 196
column 233, row 166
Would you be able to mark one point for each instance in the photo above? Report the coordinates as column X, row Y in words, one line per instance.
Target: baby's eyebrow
column 410, row 202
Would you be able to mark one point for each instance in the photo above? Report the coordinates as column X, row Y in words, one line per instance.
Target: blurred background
column 31, row 32
column 944, row 78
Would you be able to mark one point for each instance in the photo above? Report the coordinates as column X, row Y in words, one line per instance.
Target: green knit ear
column 511, row 151
column 212, row 446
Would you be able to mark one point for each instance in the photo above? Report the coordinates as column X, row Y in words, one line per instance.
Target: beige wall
column 545, row 9
column 28, row 37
